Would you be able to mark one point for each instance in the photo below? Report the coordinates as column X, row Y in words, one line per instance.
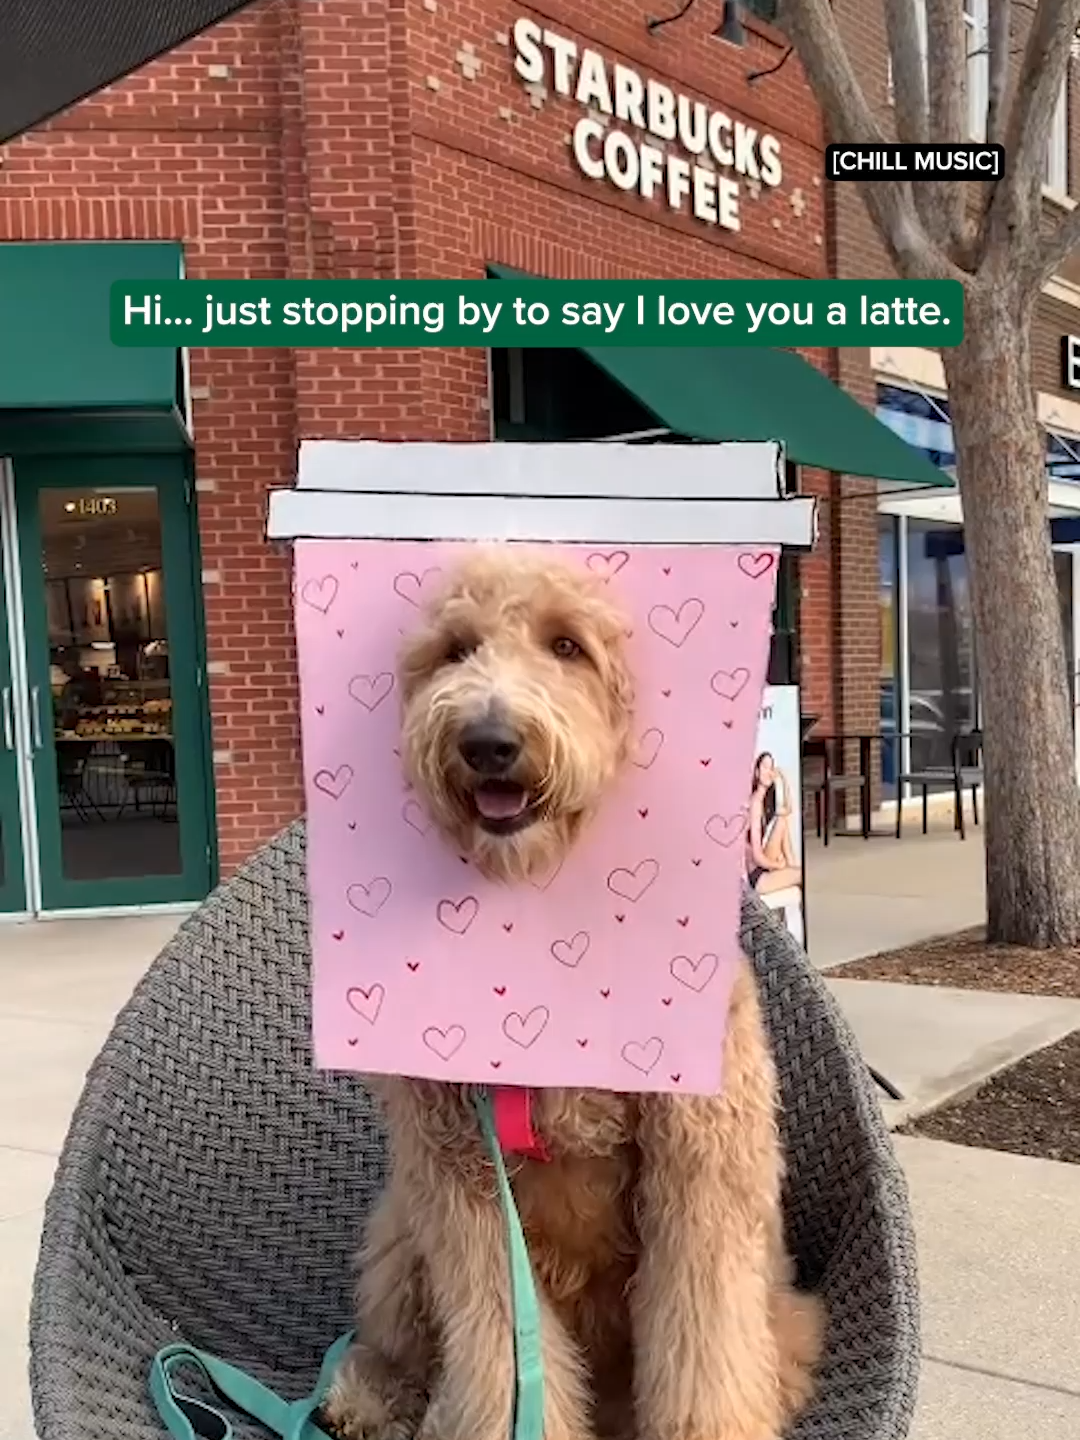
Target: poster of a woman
column 774, row 862
column 771, row 862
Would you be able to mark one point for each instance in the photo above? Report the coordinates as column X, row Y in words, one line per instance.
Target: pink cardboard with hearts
column 616, row 971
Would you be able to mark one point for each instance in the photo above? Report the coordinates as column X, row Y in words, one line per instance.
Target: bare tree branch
column 1056, row 247
column 814, row 33
column 946, row 68
column 998, row 83
column 944, row 207
column 908, row 70
column 1016, row 207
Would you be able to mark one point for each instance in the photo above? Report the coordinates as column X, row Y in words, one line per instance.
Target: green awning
column 715, row 393
column 63, row 384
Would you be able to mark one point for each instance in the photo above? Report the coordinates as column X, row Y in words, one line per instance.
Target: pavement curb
column 990, row 1061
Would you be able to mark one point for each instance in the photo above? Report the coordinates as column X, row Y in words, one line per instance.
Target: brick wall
column 380, row 138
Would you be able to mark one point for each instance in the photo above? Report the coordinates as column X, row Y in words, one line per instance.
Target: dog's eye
column 565, row 648
column 457, row 652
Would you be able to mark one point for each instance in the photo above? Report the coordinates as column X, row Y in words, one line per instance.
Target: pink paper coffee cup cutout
column 614, row 969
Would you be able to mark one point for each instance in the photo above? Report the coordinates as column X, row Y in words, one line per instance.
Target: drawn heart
column 644, row 813
column 648, row 747
column 320, row 709
column 333, row 782
column 508, row 926
column 605, row 566
column 320, row 594
column 457, row 916
column 694, row 974
column 353, row 1041
column 371, row 690
column 605, row 994
column 707, row 763
column 665, row 1000
column 571, row 952
column 666, row 569
column 410, row 586
column 352, row 824
column 666, row 694
column 643, row 1056
column 339, row 934
column 729, row 684
column 620, row 918
column 632, row 884
column 414, row 815
column 676, row 1077
column 412, row 965
column 695, row 862
column 525, row 1030
column 341, row 634
column 683, row 920
column 366, row 1003
column 725, row 829
column 675, row 626
column 369, row 899
column 495, row 1064
column 755, row 565
column 583, row 1043
column 499, row 989
column 444, row 1043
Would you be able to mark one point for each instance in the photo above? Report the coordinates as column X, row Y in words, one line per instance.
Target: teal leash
column 187, row 1417
column 528, row 1423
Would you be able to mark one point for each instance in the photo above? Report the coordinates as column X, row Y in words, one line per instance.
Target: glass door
column 12, row 743
column 115, row 691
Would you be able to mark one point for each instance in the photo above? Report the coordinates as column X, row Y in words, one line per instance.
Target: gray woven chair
column 213, row 1184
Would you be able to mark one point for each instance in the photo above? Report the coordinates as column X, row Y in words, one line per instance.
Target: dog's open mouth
column 502, row 806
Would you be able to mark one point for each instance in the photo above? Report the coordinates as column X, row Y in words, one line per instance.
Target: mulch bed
column 965, row 961
column 1031, row 1109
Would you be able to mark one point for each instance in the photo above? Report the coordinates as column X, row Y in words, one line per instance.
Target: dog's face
column 517, row 708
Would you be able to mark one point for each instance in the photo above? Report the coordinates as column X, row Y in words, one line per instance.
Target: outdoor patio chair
column 213, row 1183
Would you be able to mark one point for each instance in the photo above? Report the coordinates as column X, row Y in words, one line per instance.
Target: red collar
column 512, row 1106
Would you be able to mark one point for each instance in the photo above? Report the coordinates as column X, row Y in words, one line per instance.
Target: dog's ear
column 418, row 659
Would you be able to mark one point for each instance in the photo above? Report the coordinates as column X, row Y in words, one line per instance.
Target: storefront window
column 929, row 671
column 941, row 643
column 1063, row 573
column 889, row 691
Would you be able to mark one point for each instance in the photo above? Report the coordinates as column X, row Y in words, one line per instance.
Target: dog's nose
column 489, row 747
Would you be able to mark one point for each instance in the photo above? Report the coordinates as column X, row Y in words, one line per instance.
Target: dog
column 667, row 1304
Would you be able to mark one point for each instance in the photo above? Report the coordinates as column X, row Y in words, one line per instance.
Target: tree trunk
column 1032, row 798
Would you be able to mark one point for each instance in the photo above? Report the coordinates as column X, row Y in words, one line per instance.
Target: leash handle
column 528, row 1421
column 189, row 1418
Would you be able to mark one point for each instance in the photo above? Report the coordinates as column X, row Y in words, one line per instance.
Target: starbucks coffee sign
column 702, row 180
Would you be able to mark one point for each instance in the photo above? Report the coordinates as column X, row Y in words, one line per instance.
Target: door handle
column 9, row 722
column 35, row 716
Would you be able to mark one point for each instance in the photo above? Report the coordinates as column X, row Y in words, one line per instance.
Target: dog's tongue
column 500, row 802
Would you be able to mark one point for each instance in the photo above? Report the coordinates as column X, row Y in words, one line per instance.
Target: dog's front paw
column 363, row 1405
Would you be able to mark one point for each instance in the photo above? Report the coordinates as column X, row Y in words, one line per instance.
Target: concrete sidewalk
column 863, row 896
column 61, row 984
column 933, row 1043
column 999, row 1259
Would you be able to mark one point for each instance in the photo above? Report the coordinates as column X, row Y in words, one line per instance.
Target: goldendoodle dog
column 655, row 1230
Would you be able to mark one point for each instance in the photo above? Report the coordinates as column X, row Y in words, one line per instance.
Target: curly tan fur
column 668, row 1310
column 487, row 648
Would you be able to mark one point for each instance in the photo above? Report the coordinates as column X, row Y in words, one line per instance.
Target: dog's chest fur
column 577, row 1211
